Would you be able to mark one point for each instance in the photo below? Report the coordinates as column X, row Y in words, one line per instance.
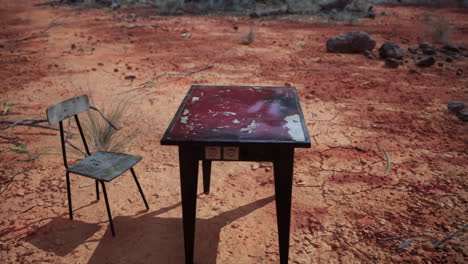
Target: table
column 237, row 123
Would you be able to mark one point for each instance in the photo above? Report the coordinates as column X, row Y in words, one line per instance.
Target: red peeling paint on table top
column 238, row 114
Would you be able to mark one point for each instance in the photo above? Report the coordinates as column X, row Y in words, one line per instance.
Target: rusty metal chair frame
column 71, row 108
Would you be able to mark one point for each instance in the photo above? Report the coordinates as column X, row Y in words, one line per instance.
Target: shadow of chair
column 150, row 239
column 61, row 236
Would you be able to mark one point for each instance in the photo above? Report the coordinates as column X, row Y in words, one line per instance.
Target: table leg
column 206, row 164
column 188, row 183
column 283, row 173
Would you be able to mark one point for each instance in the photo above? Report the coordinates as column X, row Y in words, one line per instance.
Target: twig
column 447, row 238
column 33, row 121
column 102, row 115
column 8, row 184
column 362, row 252
column 35, row 35
column 32, row 124
column 143, row 85
column 9, row 138
column 389, row 162
column 413, row 233
column 69, row 134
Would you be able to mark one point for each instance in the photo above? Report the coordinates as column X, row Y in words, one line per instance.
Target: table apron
column 246, row 153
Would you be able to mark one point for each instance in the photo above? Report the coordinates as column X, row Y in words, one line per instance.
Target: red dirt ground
column 344, row 203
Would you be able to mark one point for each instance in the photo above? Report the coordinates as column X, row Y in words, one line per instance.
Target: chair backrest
column 67, row 108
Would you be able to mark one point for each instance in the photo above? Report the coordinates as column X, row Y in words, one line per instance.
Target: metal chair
column 100, row 166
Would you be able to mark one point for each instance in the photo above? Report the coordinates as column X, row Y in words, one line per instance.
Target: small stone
column 440, row 64
column 130, row 77
column 413, row 71
column 392, row 63
column 427, row 48
column 352, row 42
column 426, row 62
column 391, row 50
column 369, row 55
column 448, row 59
column 459, row 72
column 413, row 50
column 405, row 41
column 451, row 48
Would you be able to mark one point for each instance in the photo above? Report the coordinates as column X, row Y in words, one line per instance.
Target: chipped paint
column 294, row 127
column 249, row 129
column 240, row 113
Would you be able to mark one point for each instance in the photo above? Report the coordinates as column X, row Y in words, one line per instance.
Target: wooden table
column 237, row 123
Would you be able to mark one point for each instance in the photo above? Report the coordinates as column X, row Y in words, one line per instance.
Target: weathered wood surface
column 67, row 108
column 104, row 166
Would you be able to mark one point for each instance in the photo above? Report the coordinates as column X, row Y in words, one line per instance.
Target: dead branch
column 414, row 233
column 102, row 115
column 143, row 85
column 349, row 244
column 9, row 138
column 40, row 33
column 33, row 121
column 447, row 238
column 31, row 124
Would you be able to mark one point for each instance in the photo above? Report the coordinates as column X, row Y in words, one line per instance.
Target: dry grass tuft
column 101, row 136
column 249, row 37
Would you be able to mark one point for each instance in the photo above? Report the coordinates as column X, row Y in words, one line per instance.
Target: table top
column 233, row 115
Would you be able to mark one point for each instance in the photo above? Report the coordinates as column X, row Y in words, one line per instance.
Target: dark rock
column 413, row 50
column 391, row 50
column 458, row 108
column 455, row 106
column 370, row 12
column 449, row 59
column 440, row 64
column 451, row 48
column 463, row 115
column 427, row 48
column 413, row 71
column 369, row 55
column 392, row 63
column 405, row 41
column 459, row 72
column 370, row 15
column 335, row 4
column 426, row 62
column 352, row 42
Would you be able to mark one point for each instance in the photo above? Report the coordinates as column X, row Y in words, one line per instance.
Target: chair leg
column 97, row 189
column 70, row 211
column 108, row 208
column 139, row 188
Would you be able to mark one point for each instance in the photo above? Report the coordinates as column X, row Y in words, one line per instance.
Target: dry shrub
column 249, row 37
column 101, row 136
column 439, row 27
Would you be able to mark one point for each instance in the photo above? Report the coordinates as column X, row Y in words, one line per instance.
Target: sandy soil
column 345, row 204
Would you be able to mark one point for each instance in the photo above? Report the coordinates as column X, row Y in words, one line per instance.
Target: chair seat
column 104, row 166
